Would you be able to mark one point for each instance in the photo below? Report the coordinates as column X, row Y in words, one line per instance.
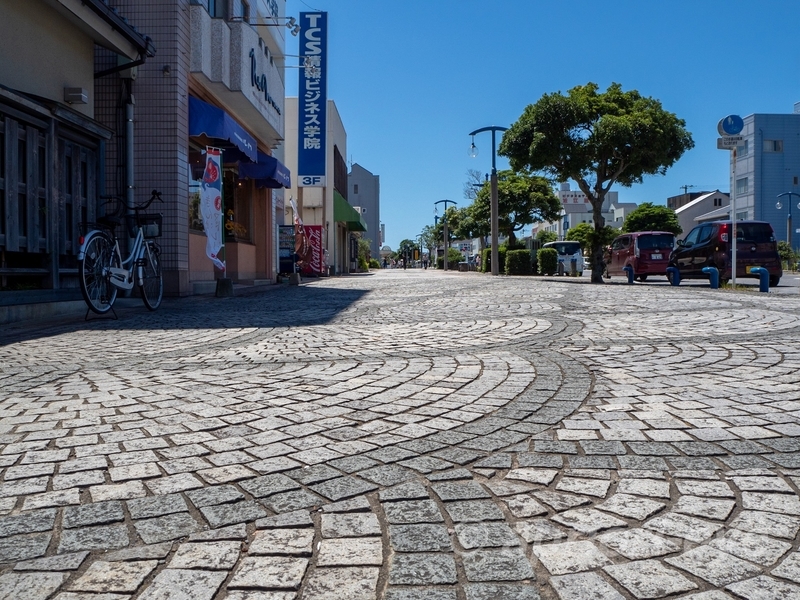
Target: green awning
column 344, row 213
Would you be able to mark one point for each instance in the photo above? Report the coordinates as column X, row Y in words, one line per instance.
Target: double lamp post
column 473, row 152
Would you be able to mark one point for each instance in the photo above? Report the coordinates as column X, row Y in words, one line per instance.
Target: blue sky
column 412, row 78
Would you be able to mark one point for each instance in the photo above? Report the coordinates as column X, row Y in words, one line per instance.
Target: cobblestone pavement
column 407, row 435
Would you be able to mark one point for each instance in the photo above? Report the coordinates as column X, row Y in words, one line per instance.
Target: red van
column 646, row 251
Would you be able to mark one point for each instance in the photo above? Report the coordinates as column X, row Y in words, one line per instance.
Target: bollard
column 676, row 275
column 629, row 272
column 763, row 278
column 573, row 267
column 713, row 276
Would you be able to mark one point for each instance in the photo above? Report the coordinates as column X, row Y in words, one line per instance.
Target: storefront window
column 197, row 164
column 235, row 197
column 237, row 206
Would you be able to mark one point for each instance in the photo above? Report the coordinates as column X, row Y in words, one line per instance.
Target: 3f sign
column 312, row 181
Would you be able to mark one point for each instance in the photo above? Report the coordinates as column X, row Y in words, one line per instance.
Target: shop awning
column 268, row 172
column 344, row 213
column 215, row 123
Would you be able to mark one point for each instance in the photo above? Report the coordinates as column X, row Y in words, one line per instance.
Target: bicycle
column 101, row 270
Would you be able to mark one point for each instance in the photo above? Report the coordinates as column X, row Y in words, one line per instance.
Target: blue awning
column 213, row 122
column 268, row 172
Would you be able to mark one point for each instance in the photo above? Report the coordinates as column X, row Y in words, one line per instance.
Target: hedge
column 518, row 262
column 548, row 261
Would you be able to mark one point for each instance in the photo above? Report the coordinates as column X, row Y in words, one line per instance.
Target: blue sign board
column 730, row 125
column 312, row 100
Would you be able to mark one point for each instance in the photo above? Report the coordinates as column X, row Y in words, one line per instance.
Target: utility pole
column 686, row 188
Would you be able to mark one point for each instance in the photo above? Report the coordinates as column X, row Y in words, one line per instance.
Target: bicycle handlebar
column 154, row 195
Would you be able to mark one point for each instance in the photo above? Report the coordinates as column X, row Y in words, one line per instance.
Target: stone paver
column 326, row 440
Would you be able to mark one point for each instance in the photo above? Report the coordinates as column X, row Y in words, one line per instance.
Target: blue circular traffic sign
column 730, row 125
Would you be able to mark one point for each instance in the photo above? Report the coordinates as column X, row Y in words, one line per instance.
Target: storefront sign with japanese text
column 313, row 100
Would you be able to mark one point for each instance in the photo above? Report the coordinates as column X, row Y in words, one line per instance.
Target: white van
column 567, row 252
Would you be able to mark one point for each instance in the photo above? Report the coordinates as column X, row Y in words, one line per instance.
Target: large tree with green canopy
column 649, row 217
column 522, row 199
column 596, row 139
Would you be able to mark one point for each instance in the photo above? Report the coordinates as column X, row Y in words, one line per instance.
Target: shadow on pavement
column 276, row 306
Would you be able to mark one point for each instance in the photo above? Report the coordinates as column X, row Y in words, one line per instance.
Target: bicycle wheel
column 93, row 274
column 152, row 285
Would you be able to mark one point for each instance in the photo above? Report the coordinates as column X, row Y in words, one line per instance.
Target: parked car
column 708, row 245
column 646, row 251
column 567, row 252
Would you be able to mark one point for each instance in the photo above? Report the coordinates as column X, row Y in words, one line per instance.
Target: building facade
column 767, row 164
column 53, row 143
column 219, row 83
column 577, row 209
column 689, row 213
column 325, row 209
column 364, row 190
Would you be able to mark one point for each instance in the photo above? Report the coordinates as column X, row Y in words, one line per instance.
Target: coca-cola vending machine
column 315, row 265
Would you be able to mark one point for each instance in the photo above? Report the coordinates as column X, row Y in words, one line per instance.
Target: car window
column 691, row 239
column 620, row 243
column 758, row 233
column 705, row 233
column 565, row 248
column 657, row 241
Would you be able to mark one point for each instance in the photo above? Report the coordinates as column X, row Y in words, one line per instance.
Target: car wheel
column 774, row 280
column 642, row 278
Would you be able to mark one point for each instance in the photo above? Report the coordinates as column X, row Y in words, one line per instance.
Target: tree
column 648, row 217
column 522, row 200
column 596, row 139
column 406, row 250
column 545, row 237
column 583, row 233
column 428, row 239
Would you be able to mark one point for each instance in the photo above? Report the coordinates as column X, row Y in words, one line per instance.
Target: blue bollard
column 676, row 275
column 713, row 276
column 763, row 278
column 629, row 272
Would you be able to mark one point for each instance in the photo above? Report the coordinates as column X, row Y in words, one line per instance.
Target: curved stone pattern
column 411, row 435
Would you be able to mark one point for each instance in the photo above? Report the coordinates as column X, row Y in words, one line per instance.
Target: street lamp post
column 444, row 223
column 473, row 151
column 779, row 206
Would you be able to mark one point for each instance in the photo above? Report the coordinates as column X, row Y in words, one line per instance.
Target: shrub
column 362, row 264
column 548, row 261
column 486, row 262
column 374, row 263
column 453, row 258
column 518, row 262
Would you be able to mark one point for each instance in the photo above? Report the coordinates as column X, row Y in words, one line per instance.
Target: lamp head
column 473, row 149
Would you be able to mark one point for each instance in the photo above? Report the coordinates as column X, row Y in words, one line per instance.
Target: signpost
column 729, row 128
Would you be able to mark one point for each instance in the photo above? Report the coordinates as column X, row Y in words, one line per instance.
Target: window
column 742, row 186
column 773, row 145
column 241, row 10
column 743, row 150
column 717, row 201
column 355, row 188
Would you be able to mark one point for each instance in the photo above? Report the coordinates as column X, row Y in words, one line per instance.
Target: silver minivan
column 567, row 252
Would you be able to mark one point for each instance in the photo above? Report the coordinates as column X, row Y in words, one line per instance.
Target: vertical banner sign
column 312, row 100
column 314, row 264
column 286, row 249
column 302, row 250
column 211, row 205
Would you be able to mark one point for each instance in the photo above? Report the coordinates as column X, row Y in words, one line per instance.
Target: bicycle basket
column 150, row 224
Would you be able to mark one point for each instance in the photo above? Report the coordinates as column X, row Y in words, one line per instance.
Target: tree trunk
column 597, row 242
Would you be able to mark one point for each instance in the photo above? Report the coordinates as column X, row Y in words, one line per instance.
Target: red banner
column 313, row 263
